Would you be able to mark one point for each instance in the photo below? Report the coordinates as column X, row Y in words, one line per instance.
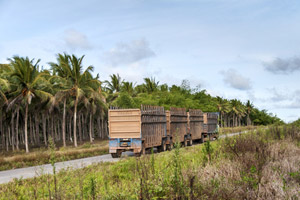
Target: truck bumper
column 127, row 144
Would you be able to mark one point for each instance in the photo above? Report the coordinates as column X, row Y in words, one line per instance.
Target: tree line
column 69, row 104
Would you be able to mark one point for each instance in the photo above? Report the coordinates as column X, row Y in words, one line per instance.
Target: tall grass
column 256, row 165
column 42, row 156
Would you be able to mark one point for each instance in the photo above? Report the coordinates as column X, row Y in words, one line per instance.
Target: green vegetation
column 68, row 103
column 296, row 122
column 39, row 156
column 258, row 165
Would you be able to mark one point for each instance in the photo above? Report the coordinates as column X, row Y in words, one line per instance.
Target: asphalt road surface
column 30, row 172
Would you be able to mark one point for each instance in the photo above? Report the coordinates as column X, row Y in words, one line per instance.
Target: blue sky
column 232, row 48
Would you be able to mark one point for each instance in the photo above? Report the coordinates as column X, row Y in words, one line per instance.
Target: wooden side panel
column 178, row 123
column 124, row 123
column 195, row 123
column 212, row 121
column 154, row 125
column 168, row 122
column 205, row 118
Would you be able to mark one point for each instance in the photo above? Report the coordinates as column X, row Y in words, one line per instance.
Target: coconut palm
column 234, row 104
column 63, row 85
column 127, row 87
column 223, row 107
column 115, row 83
column 150, row 84
column 29, row 80
column 79, row 81
column 249, row 109
column 96, row 101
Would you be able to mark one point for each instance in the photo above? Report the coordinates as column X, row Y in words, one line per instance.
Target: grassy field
column 226, row 130
column 264, row 164
column 41, row 156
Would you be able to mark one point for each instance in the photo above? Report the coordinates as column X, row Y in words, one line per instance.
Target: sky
column 246, row 49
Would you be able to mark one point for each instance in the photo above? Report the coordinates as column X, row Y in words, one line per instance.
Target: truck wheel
column 190, row 142
column 143, row 151
column 137, row 154
column 117, row 155
column 170, row 146
column 185, row 143
column 163, row 146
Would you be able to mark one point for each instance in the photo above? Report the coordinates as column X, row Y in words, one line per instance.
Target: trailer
column 195, row 124
column 137, row 130
column 177, row 126
column 210, row 128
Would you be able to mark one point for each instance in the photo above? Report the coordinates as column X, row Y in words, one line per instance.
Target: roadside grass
column 39, row 156
column 264, row 164
column 227, row 130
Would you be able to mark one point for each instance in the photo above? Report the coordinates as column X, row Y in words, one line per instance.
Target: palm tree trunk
column 52, row 127
column 99, row 126
column 80, row 127
column 64, row 123
column 91, row 118
column 70, row 128
column 12, row 130
column 1, row 130
column 25, row 128
column 17, row 128
column 37, row 128
column 7, row 138
column 44, row 129
column 74, row 123
column 102, row 125
column 55, row 128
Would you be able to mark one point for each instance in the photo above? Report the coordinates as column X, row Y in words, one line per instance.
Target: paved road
column 30, row 172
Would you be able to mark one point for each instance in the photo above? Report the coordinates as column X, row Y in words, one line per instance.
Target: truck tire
column 170, row 146
column 202, row 138
column 163, row 146
column 190, row 142
column 185, row 142
column 143, row 151
column 116, row 155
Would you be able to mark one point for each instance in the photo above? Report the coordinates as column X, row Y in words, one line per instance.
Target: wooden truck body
column 177, row 124
column 195, row 123
column 210, row 128
column 136, row 129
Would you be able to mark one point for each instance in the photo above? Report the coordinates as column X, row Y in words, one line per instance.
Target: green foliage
column 207, row 152
column 168, row 175
column 296, row 122
column 124, row 101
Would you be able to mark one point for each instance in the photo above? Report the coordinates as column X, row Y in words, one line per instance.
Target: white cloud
column 75, row 39
column 128, row 53
column 236, row 80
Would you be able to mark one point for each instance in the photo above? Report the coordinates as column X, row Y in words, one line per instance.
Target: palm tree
column 249, row 109
column 241, row 113
column 4, row 88
column 234, row 111
column 128, row 87
column 150, row 84
column 95, row 102
column 4, row 83
column 80, row 82
column 28, row 79
column 63, row 85
column 114, row 85
column 223, row 107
